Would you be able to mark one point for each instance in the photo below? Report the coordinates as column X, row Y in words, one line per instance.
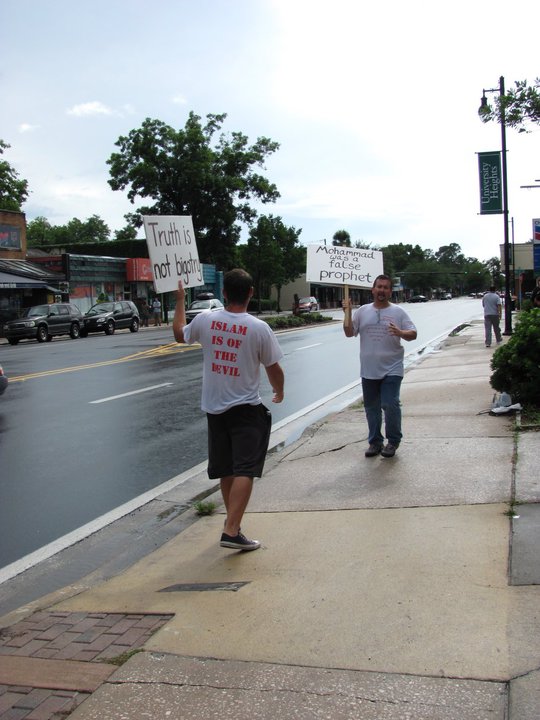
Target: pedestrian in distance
column 381, row 326
column 535, row 297
column 492, row 304
column 156, row 311
column 145, row 313
column 235, row 345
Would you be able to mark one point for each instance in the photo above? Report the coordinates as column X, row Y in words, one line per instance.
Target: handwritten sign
column 337, row 265
column 173, row 251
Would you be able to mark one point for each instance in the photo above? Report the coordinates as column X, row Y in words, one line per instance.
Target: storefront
column 23, row 284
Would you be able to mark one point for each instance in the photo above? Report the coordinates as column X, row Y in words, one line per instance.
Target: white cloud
column 27, row 127
column 90, row 108
column 179, row 99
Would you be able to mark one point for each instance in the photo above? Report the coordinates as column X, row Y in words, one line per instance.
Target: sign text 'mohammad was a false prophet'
column 338, row 265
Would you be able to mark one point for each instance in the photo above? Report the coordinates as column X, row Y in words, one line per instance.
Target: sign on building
column 536, row 245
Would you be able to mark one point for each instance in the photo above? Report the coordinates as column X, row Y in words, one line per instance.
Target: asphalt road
column 88, row 425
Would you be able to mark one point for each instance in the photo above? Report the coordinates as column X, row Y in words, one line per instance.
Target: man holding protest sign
column 234, row 344
column 381, row 326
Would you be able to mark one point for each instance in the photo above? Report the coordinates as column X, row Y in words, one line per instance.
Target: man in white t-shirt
column 235, row 345
column 492, row 305
column 381, row 326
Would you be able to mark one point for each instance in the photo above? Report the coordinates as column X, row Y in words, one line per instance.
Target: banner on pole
column 173, row 251
column 489, row 173
column 338, row 265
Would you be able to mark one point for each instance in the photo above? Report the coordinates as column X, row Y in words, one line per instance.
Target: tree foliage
column 515, row 364
column 40, row 232
column 425, row 271
column 13, row 189
column 189, row 172
column 272, row 255
column 341, row 238
column 520, row 105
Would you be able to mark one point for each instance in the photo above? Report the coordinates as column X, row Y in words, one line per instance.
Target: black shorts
column 238, row 441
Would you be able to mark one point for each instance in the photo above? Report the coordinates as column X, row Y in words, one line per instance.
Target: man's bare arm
column 277, row 381
column 347, row 319
column 179, row 320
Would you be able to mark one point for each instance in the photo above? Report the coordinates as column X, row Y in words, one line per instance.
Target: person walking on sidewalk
column 492, row 304
column 156, row 311
column 381, row 326
column 235, row 345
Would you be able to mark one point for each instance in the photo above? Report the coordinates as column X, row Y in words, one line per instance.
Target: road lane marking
column 127, row 394
column 307, row 347
column 142, row 355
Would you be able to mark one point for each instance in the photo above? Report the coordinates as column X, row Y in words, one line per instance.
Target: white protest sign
column 338, row 265
column 173, row 251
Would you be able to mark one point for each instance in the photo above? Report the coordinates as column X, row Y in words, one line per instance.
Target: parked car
column 205, row 302
column 110, row 316
column 417, row 298
column 446, row 296
column 307, row 304
column 3, row 381
column 43, row 322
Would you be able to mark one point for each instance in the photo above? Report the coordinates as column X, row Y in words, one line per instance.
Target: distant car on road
column 110, row 316
column 307, row 304
column 446, row 296
column 417, row 298
column 3, row 381
column 205, row 302
column 43, row 322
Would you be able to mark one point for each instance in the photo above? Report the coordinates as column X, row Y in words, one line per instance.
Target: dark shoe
column 239, row 542
column 389, row 450
column 373, row 450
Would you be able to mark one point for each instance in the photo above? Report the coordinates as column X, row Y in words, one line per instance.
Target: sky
column 374, row 105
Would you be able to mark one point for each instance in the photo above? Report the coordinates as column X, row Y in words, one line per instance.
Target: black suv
column 110, row 316
column 42, row 322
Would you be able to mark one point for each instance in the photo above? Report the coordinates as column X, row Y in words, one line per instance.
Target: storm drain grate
column 205, row 587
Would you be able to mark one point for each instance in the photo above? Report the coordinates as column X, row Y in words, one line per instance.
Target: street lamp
column 483, row 109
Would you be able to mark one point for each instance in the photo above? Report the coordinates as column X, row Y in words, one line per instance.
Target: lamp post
column 507, row 297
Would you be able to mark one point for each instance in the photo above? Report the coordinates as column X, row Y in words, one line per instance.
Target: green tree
column 398, row 257
column 341, row 238
column 13, row 190
column 129, row 232
column 493, row 266
column 260, row 256
column 92, row 230
column 40, row 232
column 272, row 255
column 188, row 172
column 520, row 105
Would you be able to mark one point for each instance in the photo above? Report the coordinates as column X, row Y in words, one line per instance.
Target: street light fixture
column 482, row 110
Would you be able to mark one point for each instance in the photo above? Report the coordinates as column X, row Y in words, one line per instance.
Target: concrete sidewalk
column 385, row 588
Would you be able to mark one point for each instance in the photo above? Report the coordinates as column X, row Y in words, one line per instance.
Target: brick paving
column 59, row 643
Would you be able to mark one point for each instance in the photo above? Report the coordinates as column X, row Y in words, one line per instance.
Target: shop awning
column 18, row 282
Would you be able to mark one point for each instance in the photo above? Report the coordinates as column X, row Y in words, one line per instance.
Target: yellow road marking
column 159, row 350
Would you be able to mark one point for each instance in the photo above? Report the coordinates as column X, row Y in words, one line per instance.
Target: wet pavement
column 385, row 588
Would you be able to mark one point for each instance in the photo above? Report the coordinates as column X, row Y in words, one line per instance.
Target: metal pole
column 507, row 295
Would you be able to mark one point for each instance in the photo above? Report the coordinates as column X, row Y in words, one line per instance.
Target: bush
column 516, row 365
column 266, row 305
column 281, row 322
